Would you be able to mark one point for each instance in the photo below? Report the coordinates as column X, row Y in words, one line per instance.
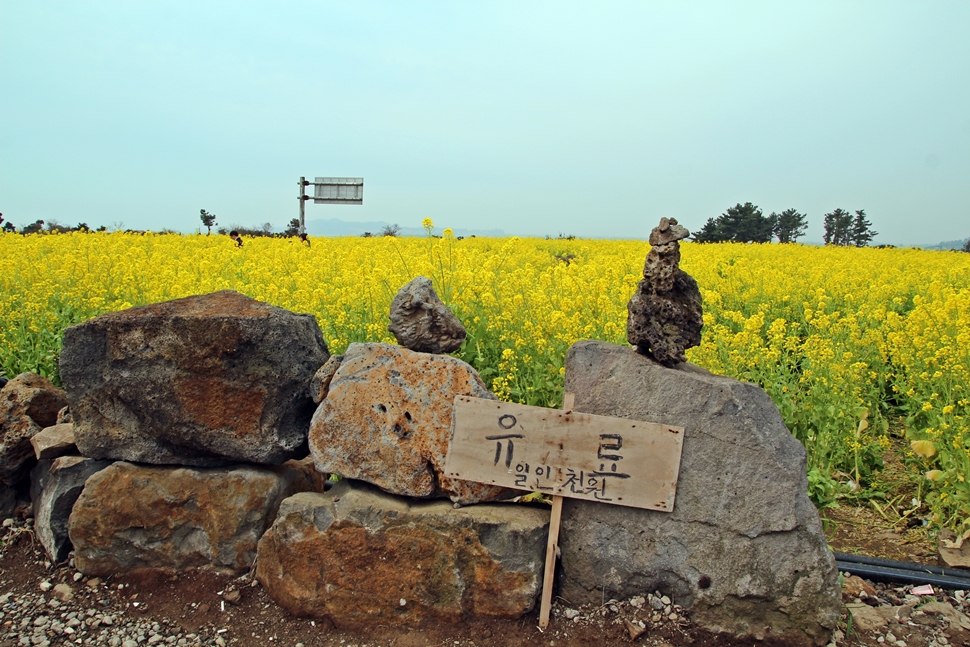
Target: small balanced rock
column 421, row 322
column 665, row 313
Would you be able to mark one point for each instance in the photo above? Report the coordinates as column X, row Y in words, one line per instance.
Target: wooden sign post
column 565, row 454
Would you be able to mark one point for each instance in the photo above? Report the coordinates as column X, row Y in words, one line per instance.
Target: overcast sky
column 537, row 118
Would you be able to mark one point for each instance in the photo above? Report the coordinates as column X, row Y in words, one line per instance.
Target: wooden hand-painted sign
column 565, row 453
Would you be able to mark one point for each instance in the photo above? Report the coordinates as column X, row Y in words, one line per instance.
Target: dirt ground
column 196, row 603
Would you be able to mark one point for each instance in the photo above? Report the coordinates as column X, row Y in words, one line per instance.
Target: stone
column 55, row 486
column 28, row 404
column 387, row 420
column 957, row 557
column 8, row 501
column 55, row 441
column 854, row 586
column 135, row 516
column 202, row 381
column 743, row 549
column 945, row 610
column 866, row 618
column 421, row 322
column 64, row 416
column 360, row 556
column 320, row 382
column 665, row 315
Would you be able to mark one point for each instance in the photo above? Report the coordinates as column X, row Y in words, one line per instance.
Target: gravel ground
column 43, row 604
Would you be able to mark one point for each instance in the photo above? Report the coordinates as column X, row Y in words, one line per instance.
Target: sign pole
column 552, row 544
column 302, row 199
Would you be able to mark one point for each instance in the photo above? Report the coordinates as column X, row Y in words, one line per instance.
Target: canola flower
column 844, row 340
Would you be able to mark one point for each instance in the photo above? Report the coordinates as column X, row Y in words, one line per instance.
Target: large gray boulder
column 28, row 404
column 743, row 548
column 55, row 485
column 178, row 518
column 200, row 381
column 363, row 557
column 387, row 420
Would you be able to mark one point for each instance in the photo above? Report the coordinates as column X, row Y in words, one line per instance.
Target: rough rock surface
column 55, row 486
column 55, row 441
column 363, row 557
column 320, row 382
column 387, row 420
column 199, row 381
column 665, row 314
column 421, row 322
column 28, row 404
column 743, row 548
column 8, row 501
column 130, row 516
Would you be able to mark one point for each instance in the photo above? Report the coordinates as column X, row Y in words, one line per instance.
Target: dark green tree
column 838, row 228
column 862, row 232
column 82, row 226
column 966, row 245
column 742, row 223
column 208, row 219
column 36, row 227
column 9, row 227
column 708, row 233
column 293, row 228
column 789, row 225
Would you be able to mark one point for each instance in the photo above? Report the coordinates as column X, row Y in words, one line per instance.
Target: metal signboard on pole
column 338, row 190
column 330, row 190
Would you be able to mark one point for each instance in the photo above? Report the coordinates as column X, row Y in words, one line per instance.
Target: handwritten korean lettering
column 510, row 448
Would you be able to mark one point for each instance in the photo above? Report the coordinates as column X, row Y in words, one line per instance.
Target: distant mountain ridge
column 948, row 244
column 335, row 227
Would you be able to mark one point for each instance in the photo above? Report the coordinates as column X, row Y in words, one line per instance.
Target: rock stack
column 665, row 315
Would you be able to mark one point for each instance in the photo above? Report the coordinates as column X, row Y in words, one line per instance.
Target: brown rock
column 363, row 557
column 131, row 516
column 28, row 404
column 854, row 586
column 387, row 420
column 421, row 322
column 665, row 314
column 202, row 381
column 953, row 557
column 866, row 618
column 55, row 441
column 320, row 382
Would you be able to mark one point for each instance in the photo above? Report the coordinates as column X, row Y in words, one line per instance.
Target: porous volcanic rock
column 55, row 484
column 420, row 321
column 201, row 381
column 55, row 441
column 28, row 404
column 134, row 516
column 665, row 314
column 363, row 557
column 743, row 548
column 387, row 420
column 320, row 382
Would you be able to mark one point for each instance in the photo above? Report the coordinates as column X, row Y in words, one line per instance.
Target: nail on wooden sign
column 565, row 453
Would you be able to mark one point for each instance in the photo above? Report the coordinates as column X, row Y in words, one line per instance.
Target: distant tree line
column 746, row 223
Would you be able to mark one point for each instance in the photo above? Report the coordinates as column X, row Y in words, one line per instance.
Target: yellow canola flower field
column 844, row 340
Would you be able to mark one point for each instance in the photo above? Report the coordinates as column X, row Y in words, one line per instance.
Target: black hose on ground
column 887, row 570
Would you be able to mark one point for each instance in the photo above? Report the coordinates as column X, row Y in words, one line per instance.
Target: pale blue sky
column 591, row 119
